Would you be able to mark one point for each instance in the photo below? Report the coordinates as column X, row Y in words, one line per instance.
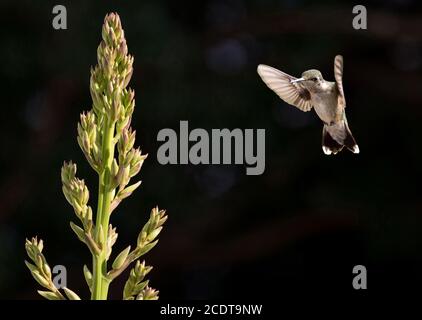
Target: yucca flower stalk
column 107, row 141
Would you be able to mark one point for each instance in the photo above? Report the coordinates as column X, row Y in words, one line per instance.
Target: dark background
column 299, row 227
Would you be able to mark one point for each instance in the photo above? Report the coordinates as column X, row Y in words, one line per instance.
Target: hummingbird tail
column 350, row 141
column 336, row 136
column 329, row 145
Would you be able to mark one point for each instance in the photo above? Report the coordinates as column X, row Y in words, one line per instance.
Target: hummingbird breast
column 325, row 103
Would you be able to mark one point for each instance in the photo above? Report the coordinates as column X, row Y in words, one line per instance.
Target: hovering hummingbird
column 327, row 98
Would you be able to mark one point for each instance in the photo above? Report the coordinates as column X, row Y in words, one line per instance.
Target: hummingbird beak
column 297, row 80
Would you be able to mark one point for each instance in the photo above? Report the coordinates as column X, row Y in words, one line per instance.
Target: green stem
column 105, row 196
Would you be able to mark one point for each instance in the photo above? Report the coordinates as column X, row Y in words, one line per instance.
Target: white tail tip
column 326, row 150
column 355, row 149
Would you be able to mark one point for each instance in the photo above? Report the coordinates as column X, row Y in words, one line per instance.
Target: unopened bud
column 121, row 258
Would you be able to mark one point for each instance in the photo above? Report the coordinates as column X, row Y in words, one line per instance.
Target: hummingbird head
column 312, row 75
column 311, row 79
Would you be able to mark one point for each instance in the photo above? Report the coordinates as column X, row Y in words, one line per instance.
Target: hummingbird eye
column 314, row 79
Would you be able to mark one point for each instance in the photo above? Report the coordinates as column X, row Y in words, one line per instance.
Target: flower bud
column 88, row 276
column 121, row 258
column 70, row 294
column 128, row 190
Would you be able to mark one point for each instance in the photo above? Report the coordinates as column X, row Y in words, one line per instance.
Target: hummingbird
column 327, row 98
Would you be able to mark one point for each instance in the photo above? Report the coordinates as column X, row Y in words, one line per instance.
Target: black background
column 299, row 227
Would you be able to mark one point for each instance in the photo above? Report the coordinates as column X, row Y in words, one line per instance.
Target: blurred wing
column 280, row 83
column 338, row 75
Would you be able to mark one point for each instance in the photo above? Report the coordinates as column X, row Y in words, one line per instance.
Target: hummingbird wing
column 281, row 84
column 338, row 75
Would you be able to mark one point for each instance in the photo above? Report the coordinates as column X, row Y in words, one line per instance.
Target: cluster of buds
column 136, row 284
column 111, row 240
column 41, row 272
column 113, row 103
column 113, row 106
column 77, row 194
column 148, row 294
column 136, row 288
column 129, row 164
column 89, row 139
column 152, row 228
column 146, row 241
column 130, row 159
column 109, row 79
